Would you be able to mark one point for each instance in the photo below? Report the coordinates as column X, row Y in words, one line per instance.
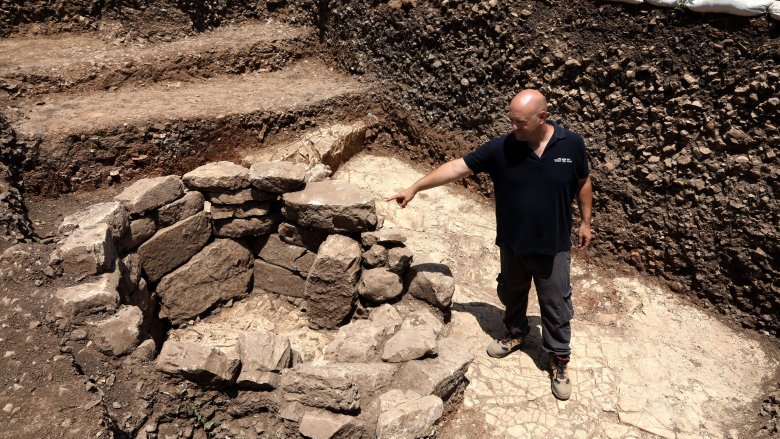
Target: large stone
column 440, row 375
column 172, row 246
column 278, row 280
column 399, row 259
column 220, row 272
column 330, row 287
column 410, row 344
column 111, row 213
column 371, row 378
column 198, row 362
column 86, row 251
column 217, row 177
column 140, row 230
column 411, row 419
column 375, row 256
column 377, row 285
column 421, row 318
column 150, row 193
column 240, row 196
column 432, row 283
column 119, row 334
column 357, row 342
column 321, row 424
column 335, row 206
column 277, row 177
column 246, row 210
column 321, row 385
column 393, row 398
column 387, row 237
column 273, row 250
column 89, row 298
column 301, row 236
column 240, row 227
column 188, row 205
column 263, row 356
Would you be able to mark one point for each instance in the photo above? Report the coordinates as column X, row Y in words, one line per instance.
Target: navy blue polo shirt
column 533, row 194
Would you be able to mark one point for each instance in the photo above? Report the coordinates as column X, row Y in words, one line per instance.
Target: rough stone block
column 375, row 256
column 301, row 236
column 410, row 344
column 198, row 362
column 87, row 251
column 387, row 237
column 263, row 356
column 321, row 385
column 111, row 213
column 278, row 280
column 240, row 196
column 412, row 419
column 330, row 287
column 246, row 210
column 89, row 298
column 188, row 205
column 422, row 317
column 277, row 177
column 432, row 283
column 321, row 424
column 220, row 272
column 357, row 342
column 172, row 246
column 150, row 193
column 273, row 250
column 439, row 375
column 334, row 206
column 377, row 285
column 399, row 259
column 119, row 334
column 139, row 231
column 240, row 227
column 217, row 177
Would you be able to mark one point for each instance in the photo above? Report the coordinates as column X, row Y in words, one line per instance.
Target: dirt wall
column 679, row 110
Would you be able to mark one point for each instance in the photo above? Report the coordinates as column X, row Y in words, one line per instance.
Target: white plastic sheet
column 774, row 10
column 744, row 8
column 630, row 2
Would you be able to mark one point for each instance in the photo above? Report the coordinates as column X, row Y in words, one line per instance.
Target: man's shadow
column 490, row 319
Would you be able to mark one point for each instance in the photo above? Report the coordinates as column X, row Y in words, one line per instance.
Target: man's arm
column 446, row 173
column 585, row 202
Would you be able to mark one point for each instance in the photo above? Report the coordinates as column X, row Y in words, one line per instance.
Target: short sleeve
column 481, row 159
column 583, row 170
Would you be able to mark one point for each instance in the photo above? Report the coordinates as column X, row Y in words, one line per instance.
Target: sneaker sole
column 558, row 395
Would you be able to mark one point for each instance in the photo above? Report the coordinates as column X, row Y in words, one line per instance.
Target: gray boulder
column 375, row 256
column 410, row 344
column 150, row 193
column 89, row 298
column 399, row 259
column 377, row 285
column 334, row 206
column 422, row 318
column 119, row 334
column 301, row 236
column 440, row 375
column 198, row 362
column 263, row 356
column 387, row 237
column 330, row 288
column 358, row 342
column 321, row 385
column 139, row 231
column 188, row 205
column 246, row 210
column 217, row 177
column 172, row 246
column 240, row 227
column 273, row 250
column 111, row 213
column 432, row 283
column 86, row 251
column 322, row 424
column 220, row 272
column 278, row 280
column 240, row 196
column 277, row 177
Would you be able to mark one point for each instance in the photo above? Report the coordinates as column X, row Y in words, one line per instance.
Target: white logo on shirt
column 563, row 160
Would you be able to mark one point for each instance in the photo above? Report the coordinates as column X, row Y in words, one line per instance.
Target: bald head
column 528, row 115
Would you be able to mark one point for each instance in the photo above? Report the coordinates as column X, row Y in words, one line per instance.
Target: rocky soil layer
column 14, row 224
column 679, row 109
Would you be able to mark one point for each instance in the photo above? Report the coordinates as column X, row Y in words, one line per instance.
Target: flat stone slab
column 240, row 196
column 439, row 375
column 386, row 236
column 150, row 193
column 89, row 298
column 217, row 177
column 263, row 356
column 357, row 342
column 410, row 344
column 240, row 227
column 410, row 419
column 220, row 272
column 111, row 213
column 198, row 362
column 172, row 246
column 278, row 280
column 246, row 210
column 188, row 205
column 335, row 206
column 325, row 425
column 321, row 385
column 278, row 177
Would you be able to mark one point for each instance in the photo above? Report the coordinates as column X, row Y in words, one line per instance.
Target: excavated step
column 172, row 127
column 56, row 62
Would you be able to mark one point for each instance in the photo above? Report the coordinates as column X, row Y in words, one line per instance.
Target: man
column 537, row 170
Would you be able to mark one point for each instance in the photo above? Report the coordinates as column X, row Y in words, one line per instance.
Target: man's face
column 526, row 122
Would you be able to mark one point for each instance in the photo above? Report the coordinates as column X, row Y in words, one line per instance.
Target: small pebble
column 8, row 408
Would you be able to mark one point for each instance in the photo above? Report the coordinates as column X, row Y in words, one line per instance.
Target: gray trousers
column 550, row 275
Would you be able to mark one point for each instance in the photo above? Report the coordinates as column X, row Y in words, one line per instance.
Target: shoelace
column 561, row 369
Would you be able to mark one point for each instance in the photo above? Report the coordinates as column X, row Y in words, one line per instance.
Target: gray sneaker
column 504, row 346
column 561, row 384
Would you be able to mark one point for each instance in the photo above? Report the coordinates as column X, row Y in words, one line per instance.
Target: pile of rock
column 178, row 248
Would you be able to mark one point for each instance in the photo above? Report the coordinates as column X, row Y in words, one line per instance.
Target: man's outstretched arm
column 585, row 202
column 446, row 173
